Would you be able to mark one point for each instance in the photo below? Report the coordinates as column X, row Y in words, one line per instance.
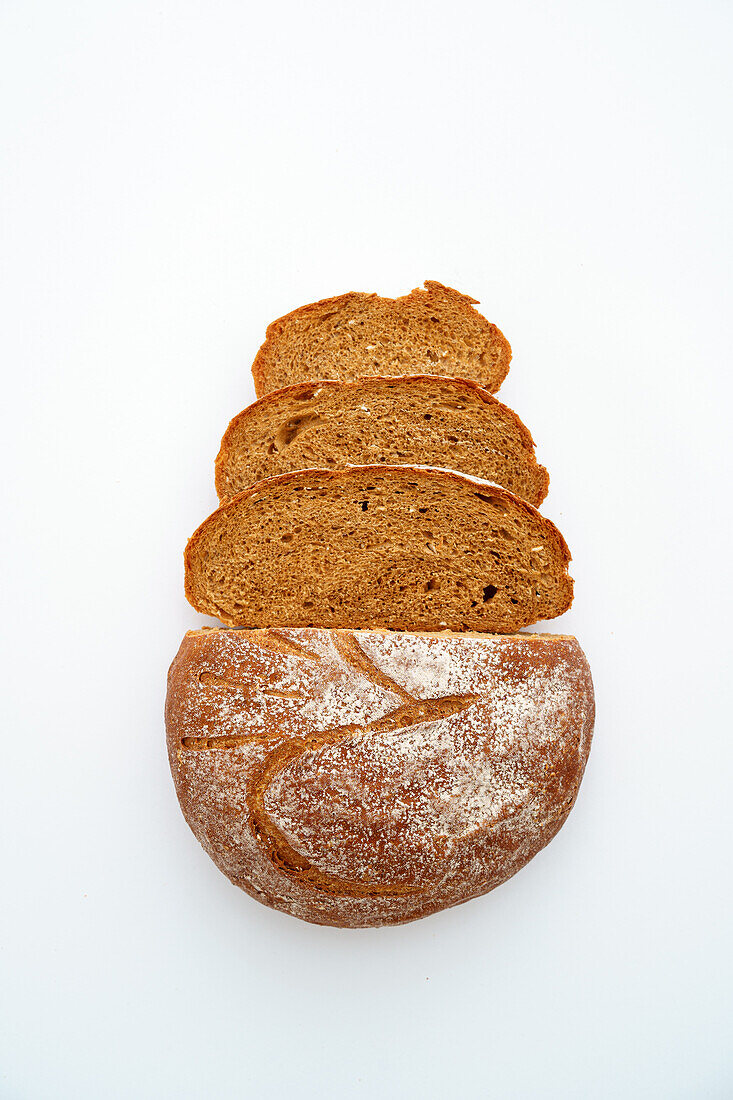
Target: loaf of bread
column 367, row 778
column 431, row 331
column 394, row 547
column 422, row 420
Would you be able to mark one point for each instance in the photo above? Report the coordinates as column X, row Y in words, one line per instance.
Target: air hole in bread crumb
column 428, row 416
column 432, row 584
column 364, row 505
column 287, row 432
column 489, row 592
column 495, row 502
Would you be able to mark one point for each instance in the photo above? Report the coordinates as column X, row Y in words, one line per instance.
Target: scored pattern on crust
column 384, row 812
column 412, row 711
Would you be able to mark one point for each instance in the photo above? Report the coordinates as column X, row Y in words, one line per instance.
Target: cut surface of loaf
column 422, row 420
column 395, row 547
column 366, row 778
column 430, row 331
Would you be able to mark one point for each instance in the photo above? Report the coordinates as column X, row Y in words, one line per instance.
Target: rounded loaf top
column 361, row 778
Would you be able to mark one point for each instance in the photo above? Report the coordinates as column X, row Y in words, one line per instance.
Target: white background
column 177, row 175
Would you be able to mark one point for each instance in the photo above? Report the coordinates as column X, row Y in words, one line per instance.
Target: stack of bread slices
column 376, row 741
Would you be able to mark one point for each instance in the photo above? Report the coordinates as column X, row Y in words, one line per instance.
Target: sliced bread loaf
column 361, row 778
column 431, row 331
column 397, row 547
column 422, row 420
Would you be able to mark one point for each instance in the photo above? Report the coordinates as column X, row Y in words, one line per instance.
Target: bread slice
column 431, row 331
column 421, row 420
column 362, row 778
column 400, row 547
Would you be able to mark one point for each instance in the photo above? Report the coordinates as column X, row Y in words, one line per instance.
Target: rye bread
column 363, row 778
column 431, row 331
column 421, row 420
column 397, row 547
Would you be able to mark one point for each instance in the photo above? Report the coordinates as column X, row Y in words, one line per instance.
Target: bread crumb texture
column 361, row 778
column 422, row 420
column 399, row 547
column 430, row 331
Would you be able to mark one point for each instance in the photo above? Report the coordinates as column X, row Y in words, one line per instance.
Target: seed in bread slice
column 421, row 420
column 431, row 331
column 396, row 547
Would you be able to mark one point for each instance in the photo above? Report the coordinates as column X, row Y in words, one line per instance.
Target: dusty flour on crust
column 461, row 799
column 432, row 783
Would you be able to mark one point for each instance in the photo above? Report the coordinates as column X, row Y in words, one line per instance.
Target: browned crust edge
column 202, row 631
column 259, row 365
column 465, row 384
column 465, row 481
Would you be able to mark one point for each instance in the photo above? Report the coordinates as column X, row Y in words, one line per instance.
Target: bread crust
column 364, row 778
column 279, row 329
column 461, row 386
